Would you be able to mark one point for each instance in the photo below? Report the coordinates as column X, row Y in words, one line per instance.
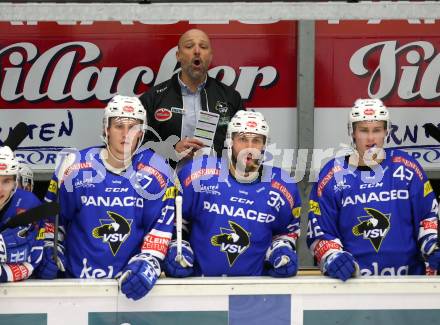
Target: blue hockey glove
column 139, row 276
column 282, row 259
column 434, row 260
column 175, row 268
column 16, row 244
column 340, row 265
column 48, row 268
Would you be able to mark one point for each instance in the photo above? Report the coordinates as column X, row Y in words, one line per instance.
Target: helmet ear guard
column 9, row 165
column 26, row 175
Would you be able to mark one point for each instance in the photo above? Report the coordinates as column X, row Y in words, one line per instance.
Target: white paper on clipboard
column 206, row 127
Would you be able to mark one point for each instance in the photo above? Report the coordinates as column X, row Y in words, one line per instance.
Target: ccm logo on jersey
column 370, row 185
column 233, row 242
column 116, row 189
column 374, row 227
column 113, row 231
column 241, row 200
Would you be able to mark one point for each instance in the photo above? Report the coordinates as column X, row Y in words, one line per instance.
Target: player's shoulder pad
column 328, row 173
column 76, row 160
column 155, row 166
column 26, row 199
column 283, row 183
column 272, row 173
column 277, row 173
column 202, row 167
column 400, row 157
column 154, row 160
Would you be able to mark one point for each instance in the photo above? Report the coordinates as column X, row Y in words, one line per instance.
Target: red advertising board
column 57, row 78
column 396, row 61
column 51, row 65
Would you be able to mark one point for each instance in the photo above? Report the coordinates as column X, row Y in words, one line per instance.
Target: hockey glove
column 433, row 261
column 282, row 259
column 16, row 244
column 340, row 265
column 48, row 268
column 175, row 268
column 139, row 276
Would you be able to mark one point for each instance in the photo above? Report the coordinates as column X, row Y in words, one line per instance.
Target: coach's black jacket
column 164, row 110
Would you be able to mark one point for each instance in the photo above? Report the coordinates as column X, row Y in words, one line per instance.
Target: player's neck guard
column 245, row 177
column 372, row 158
column 104, row 154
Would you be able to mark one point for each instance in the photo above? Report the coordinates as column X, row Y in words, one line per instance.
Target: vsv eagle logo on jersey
column 113, row 231
column 374, row 227
column 233, row 242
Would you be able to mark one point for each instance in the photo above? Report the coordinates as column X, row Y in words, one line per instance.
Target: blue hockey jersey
column 384, row 217
column 110, row 217
column 20, row 202
column 230, row 225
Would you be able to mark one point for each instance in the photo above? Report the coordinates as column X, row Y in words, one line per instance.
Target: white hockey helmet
column 246, row 122
column 124, row 107
column 9, row 165
column 368, row 110
column 26, row 176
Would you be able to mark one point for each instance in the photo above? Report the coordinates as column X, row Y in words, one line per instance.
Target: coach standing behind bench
column 173, row 107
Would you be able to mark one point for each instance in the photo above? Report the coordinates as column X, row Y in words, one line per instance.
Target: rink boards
column 307, row 300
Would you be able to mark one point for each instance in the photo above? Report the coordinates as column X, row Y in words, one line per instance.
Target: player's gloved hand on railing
column 16, row 244
column 139, row 276
column 431, row 253
column 175, row 268
column 282, row 259
column 49, row 268
column 434, row 261
column 340, row 265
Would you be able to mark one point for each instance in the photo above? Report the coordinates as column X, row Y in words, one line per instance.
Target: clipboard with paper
column 206, row 127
